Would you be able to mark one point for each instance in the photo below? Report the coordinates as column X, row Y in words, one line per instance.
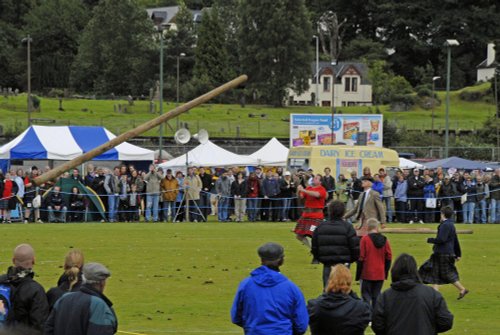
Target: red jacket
column 376, row 254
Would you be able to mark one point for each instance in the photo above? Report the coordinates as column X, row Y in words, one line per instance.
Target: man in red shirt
column 374, row 262
column 312, row 214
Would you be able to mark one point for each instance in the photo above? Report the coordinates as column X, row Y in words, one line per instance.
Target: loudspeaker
column 182, row 136
column 202, row 136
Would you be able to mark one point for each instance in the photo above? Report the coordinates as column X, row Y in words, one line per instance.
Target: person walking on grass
column 267, row 302
column 374, row 262
column 440, row 269
column 335, row 241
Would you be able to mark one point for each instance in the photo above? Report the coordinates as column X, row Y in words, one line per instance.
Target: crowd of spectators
column 235, row 194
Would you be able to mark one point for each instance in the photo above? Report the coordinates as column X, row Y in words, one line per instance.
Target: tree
column 364, row 49
column 116, row 50
column 275, row 46
column 211, row 53
column 55, row 26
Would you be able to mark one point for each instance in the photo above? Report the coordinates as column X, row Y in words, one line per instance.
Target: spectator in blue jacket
column 429, row 193
column 401, row 199
column 267, row 302
column 87, row 311
column 270, row 191
column 378, row 185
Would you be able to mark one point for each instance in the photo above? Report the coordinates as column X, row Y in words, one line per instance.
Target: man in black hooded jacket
column 335, row 241
column 29, row 303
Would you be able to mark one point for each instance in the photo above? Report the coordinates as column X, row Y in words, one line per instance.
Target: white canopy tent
column 209, row 154
column 408, row 164
column 272, row 154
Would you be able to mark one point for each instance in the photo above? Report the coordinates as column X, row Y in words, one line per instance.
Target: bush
column 424, row 91
column 471, row 95
column 402, row 102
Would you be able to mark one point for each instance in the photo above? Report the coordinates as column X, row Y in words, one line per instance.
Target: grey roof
column 483, row 65
column 170, row 12
column 341, row 67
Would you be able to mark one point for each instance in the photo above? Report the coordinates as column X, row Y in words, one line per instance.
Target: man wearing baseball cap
column 87, row 311
column 267, row 302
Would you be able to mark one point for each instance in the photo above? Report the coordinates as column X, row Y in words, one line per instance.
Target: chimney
column 490, row 58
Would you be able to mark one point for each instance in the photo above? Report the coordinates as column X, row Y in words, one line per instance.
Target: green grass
column 225, row 120
column 181, row 278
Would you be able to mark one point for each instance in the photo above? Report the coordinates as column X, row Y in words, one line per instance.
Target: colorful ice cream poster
column 318, row 129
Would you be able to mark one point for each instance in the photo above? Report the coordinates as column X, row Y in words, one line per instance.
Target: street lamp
column 448, row 44
column 159, row 21
column 316, row 75
column 334, row 76
column 28, row 41
column 182, row 54
column 433, row 103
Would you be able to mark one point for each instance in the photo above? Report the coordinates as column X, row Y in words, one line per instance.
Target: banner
column 316, row 129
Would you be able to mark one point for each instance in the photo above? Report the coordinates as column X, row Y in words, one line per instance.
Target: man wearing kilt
column 312, row 214
column 440, row 268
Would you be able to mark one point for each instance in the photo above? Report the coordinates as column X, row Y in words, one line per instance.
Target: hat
column 271, row 251
column 95, row 272
column 287, row 173
column 370, row 179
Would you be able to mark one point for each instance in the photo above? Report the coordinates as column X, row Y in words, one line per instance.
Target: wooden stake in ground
column 54, row 173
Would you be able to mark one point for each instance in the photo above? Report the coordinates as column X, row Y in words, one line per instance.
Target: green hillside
column 226, row 120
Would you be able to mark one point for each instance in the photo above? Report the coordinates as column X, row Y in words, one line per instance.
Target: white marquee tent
column 272, row 154
column 209, row 154
column 408, row 164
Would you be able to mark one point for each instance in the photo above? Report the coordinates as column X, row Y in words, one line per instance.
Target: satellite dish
column 182, row 136
column 202, row 136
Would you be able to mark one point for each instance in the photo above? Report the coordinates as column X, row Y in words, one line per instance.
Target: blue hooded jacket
column 269, row 303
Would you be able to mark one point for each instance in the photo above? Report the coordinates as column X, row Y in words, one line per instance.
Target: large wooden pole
column 54, row 173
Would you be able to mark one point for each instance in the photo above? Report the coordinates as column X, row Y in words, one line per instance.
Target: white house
column 486, row 70
column 351, row 87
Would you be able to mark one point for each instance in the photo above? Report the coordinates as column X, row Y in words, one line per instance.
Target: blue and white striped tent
column 68, row 142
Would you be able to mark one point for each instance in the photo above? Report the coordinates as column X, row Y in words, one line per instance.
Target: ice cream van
column 341, row 159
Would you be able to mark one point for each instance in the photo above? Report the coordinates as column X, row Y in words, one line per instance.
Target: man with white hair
column 29, row 306
column 85, row 312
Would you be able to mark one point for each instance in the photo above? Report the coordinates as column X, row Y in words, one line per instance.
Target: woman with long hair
column 71, row 279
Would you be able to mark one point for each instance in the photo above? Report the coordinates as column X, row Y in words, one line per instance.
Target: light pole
column 159, row 23
column 182, row 54
column 497, row 114
column 433, row 103
column 448, row 44
column 28, row 41
column 334, row 76
column 316, row 100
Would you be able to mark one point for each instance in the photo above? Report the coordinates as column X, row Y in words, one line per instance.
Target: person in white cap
column 85, row 312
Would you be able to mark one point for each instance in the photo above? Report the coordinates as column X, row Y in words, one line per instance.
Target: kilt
column 439, row 269
column 306, row 226
column 4, row 203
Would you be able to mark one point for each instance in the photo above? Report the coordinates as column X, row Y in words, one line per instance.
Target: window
column 347, row 84
column 354, row 84
column 351, row 84
column 326, row 84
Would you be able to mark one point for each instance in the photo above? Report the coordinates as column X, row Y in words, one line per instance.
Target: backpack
column 5, row 301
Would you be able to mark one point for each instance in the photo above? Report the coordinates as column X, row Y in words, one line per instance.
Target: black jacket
column 239, row 189
column 206, row 182
column 85, row 312
column 411, row 308
column 62, row 287
column 335, row 242
column 337, row 313
column 415, row 187
column 29, row 302
column 287, row 190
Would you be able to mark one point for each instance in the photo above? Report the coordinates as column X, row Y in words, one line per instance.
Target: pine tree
column 275, row 46
column 116, row 50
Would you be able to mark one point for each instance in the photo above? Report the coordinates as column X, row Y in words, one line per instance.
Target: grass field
column 181, row 278
column 227, row 120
